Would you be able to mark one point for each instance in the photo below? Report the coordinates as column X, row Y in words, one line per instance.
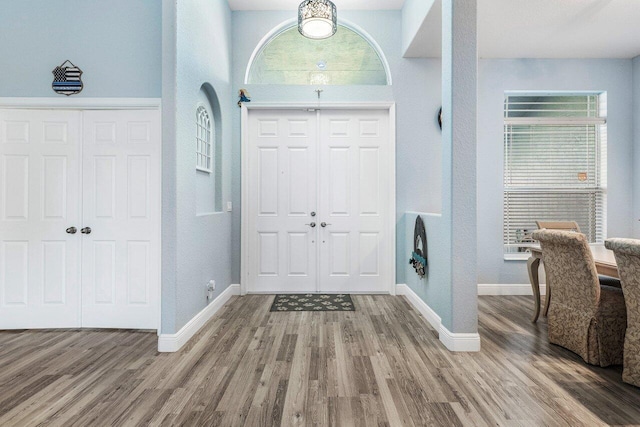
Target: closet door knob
column 86, row 230
column 71, row 230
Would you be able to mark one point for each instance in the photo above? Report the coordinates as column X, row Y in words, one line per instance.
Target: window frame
column 597, row 192
column 208, row 142
column 293, row 23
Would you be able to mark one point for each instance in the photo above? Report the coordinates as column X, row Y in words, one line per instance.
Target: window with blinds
column 554, row 165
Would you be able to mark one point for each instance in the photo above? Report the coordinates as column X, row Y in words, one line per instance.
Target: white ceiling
column 293, row 4
column 546, row 29
column 520, row 28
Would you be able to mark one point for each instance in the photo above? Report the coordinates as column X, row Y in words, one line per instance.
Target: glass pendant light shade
column 317, row 19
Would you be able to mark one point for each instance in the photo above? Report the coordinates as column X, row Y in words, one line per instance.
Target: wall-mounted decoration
column 67, row 79
column 243, row 96
column 419, row 255
column 440, row 118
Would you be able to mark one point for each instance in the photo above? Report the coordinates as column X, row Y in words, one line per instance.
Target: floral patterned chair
column 627, row 253
column 569, row 226
column 585, row 317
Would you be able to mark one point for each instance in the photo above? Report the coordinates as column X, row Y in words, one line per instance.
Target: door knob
column 313, row 224
column 86, row 230
column 71, row 230
column 324, row 224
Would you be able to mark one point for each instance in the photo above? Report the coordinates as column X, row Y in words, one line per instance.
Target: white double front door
column 79, row 219
column 318, row 193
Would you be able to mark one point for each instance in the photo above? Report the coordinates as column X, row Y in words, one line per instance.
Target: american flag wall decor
column 67, row 79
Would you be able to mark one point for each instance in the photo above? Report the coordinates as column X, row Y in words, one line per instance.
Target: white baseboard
column 506, row 289
column 459, row 341
column 170, row 343
column 432, row 317
column 453, row 341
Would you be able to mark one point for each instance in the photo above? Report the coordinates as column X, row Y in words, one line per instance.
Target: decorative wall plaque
column 419, row 255
column 67, row 79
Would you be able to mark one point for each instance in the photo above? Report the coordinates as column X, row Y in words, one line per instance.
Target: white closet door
column 121, row 205
column 39, row 189
column 355, row 253
column 282, row 180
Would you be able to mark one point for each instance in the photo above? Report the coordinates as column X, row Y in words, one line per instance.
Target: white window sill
column 517, row 257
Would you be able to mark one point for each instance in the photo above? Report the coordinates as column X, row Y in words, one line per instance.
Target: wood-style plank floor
column 381, row 365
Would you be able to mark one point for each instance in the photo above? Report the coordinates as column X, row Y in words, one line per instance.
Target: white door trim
column 83, row 103
column 67, row 103
column 391, row 165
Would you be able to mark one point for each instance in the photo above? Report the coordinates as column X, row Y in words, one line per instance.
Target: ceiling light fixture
column 317, row 19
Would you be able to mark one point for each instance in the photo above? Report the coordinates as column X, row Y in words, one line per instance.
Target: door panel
column 282, row 190
column 339, row 181
column 39, row 200
column 121, row 205
column 331, row 162
column 354, row 201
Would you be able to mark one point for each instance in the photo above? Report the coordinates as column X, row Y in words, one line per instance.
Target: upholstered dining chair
column 555, row 225
column 627, row 252
column 559, row 225
column 568, row 226
column 585, row 317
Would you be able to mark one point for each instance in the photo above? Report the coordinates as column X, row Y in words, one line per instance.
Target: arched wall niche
column 209, row 185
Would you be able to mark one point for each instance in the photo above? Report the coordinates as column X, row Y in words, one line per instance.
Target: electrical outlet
column 211, row 287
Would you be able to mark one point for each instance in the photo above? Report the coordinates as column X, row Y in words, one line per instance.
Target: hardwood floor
column 380, row 365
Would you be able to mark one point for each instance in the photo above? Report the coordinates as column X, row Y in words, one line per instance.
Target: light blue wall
column 117, row 44
column 434, row 288
column 414, row 13
column 169, row 184
column 196, row 248
column 497, row 76
column 636, row 150
column 418, row 148
column 415, row 89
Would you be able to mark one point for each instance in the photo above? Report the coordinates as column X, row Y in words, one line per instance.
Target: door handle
column 313, row 224
column 71, row 230
column 86, row 230
column 324, row 224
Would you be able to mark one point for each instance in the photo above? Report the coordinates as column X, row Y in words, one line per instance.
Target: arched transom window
column 204, row 140
column 347, row 58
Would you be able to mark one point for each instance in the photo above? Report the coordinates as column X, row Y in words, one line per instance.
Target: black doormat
column 313, row 302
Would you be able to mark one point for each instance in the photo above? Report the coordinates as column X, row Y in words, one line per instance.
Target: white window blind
column 555, row 165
